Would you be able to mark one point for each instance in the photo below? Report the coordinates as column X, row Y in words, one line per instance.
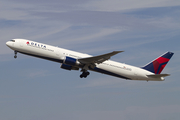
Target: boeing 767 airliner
column 71, row 60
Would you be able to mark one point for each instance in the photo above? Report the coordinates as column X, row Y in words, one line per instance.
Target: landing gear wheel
column 84, row 74
column 87, row 73
column 81, row 76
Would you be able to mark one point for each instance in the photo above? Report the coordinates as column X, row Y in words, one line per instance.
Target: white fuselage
column 58, row 54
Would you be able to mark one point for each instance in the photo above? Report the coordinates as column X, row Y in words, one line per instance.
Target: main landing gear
column 84, row 74
column 84, row 71
column 15, row 54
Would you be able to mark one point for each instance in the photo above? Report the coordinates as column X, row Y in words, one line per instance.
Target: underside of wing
column 98, row 59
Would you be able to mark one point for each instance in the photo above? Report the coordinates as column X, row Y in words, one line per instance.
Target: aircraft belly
column 109, row 70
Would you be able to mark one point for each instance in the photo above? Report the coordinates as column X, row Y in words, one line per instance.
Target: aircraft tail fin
column 157, row 65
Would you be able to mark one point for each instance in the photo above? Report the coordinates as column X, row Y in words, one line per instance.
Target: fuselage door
column 57, row 52
column 135, row 75
column 21, row 43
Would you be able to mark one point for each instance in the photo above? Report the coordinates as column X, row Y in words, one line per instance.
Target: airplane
column 71, row 60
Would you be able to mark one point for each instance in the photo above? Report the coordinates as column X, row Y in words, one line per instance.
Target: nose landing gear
column 15, row 54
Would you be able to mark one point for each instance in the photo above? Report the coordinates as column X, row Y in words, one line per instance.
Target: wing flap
column 98, row 59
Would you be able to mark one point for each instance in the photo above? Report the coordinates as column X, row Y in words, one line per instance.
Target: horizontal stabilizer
column 158, row 75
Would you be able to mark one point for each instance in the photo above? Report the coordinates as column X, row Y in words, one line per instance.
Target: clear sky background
column 37, row 89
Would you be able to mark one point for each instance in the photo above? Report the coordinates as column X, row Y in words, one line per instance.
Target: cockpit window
column 12, row 40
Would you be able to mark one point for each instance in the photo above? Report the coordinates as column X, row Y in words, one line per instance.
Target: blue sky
column 33, row 89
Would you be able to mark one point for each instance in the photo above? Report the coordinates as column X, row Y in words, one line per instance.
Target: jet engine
column 68, row 67
column 70, row 61
column 70, row 64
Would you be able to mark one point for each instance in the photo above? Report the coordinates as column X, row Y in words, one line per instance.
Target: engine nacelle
column 70, row 61
column 68, row 67
column 70, row 64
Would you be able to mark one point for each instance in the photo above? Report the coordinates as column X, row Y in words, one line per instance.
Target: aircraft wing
column 158, row 75
column 98, row 59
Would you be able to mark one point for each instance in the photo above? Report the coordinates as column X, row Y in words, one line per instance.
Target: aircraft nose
column 8, row 44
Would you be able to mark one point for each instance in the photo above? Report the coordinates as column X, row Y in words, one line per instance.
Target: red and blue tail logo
column 158, row 64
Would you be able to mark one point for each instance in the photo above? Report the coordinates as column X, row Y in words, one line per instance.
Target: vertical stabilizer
column 158, row 64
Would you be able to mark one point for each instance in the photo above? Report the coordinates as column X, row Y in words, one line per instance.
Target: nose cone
column 8, row 44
